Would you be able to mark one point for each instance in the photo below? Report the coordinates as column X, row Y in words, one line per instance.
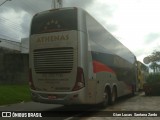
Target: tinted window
column 56, row 20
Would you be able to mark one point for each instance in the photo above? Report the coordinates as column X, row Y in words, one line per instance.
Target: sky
column 135, row 23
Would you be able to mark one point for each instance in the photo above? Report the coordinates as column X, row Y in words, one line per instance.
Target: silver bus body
column 75, row 66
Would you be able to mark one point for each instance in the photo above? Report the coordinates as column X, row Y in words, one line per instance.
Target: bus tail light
column 79, row 80
column 31, row 80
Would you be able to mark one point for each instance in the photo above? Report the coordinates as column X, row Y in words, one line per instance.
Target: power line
column 13, row 43
column 9, row 40
column 11, row 23
column 29, row 7
column 4, row 2
column 12, row 31
column 6, row 36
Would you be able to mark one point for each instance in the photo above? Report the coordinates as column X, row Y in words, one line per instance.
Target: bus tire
column 113, row 96
column 105, row 102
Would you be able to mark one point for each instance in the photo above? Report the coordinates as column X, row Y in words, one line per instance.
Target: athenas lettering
column 46, row 39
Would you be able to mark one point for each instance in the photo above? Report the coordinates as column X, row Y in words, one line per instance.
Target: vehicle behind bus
column 143, row 72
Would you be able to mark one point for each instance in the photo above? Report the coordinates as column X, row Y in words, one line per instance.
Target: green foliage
column 153, row 78
column 10, row 94
column 155, row 56
column 155, row 66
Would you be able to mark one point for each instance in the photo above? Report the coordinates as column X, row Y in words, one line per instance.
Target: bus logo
column 47, row 39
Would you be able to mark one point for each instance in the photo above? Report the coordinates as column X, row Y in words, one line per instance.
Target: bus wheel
column 113, row 96
column 105, row 99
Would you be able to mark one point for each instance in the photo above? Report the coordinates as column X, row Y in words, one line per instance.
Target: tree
column 153, row 59
column 154, row 66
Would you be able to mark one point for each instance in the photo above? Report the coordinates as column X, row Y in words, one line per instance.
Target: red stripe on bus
column 100, row 67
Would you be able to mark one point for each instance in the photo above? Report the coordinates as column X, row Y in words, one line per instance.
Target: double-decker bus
column 143, row 72
column 74, row 60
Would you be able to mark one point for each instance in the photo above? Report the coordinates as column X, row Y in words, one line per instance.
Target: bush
column 153, row 78
column 152, row 85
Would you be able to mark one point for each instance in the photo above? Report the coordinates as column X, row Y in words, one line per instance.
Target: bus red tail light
column 30, row 80
column 79, row 80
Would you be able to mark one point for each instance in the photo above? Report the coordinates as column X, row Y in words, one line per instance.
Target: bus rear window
column 53, row 21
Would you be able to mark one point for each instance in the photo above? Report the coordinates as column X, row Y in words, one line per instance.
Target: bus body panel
column 119, row 62
column 47, row 54
column 65, row 98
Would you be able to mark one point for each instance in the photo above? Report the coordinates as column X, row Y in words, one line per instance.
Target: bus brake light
column 79, row 80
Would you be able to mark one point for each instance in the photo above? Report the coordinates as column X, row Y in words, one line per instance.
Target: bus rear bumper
column 65, row 98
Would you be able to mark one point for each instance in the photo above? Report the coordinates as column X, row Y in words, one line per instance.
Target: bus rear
column 55, row 76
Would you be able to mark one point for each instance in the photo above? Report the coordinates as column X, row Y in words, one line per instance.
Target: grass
column 10, row 94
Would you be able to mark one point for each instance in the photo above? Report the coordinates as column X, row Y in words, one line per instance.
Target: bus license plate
column 51, row 97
